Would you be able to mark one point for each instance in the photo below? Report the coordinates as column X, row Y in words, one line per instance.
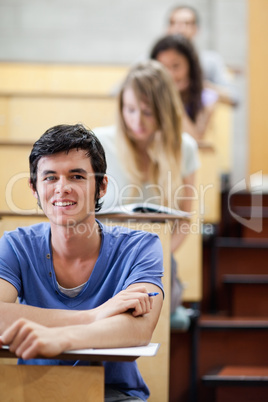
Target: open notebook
column 146, row 208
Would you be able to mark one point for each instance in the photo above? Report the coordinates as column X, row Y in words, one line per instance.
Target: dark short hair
column 63, row 138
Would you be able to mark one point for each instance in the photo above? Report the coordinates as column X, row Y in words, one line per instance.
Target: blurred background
column 122, row 32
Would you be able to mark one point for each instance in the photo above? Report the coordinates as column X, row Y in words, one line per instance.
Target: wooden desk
column 51, row 383
column 63, row 383
column 220, row 133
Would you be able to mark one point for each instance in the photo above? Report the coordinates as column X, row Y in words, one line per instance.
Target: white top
column 214, row 70
column 119, row 184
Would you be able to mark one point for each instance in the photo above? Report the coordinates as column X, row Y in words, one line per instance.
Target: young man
column 184, row 20
column 80, row 284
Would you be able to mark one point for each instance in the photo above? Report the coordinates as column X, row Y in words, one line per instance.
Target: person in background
column 178, row 55
column 184, row 19
column 150, row 159
column 81, row 284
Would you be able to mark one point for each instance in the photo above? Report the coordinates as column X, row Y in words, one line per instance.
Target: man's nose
column 63, row 186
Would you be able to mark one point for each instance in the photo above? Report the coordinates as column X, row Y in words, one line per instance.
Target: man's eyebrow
column 78, row 170
column 46, row 172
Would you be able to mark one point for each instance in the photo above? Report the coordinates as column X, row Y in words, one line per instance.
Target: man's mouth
column 63, row 203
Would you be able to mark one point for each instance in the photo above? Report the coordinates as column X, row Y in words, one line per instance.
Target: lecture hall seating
column 35, row 97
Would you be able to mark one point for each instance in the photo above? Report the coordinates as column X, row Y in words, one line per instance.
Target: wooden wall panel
column 258, row 86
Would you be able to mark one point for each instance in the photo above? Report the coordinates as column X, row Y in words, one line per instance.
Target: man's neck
column 72, row 242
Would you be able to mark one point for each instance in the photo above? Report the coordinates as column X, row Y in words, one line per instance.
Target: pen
column 153, row 294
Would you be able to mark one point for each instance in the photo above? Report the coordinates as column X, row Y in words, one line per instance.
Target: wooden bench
column 28, row 117
column 64, row 79
column 14, row 188
column 34, row 97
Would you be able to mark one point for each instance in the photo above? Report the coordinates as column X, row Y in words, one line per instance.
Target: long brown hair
column 153, row 85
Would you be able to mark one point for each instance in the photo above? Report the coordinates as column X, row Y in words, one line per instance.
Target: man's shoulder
column 32, row 231
column 126, row 232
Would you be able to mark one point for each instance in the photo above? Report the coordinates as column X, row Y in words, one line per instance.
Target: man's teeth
column 63, row 204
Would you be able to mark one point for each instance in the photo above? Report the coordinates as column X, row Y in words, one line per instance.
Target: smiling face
column 178, row 66
column 139, row 118
column 65, row 187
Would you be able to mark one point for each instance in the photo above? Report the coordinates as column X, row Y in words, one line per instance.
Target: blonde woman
column 149, row 158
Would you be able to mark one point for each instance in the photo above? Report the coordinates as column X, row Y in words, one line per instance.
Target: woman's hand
column 28, row 340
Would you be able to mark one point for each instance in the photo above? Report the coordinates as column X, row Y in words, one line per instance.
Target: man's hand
column 27, row 339
column 134, row 299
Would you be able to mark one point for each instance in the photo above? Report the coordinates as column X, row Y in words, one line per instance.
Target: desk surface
column 151, row 217
column 96, row 355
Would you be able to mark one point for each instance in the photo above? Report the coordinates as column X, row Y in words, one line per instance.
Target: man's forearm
column 122, row 330
column 10, row 312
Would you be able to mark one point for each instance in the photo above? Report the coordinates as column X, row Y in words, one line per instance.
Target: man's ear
column 103, row 187
column 33, row 191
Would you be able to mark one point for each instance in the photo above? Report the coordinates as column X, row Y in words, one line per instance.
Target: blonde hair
column 153, row 85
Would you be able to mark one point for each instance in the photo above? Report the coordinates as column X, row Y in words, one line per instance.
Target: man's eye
column 50, row 178
column 78, row 177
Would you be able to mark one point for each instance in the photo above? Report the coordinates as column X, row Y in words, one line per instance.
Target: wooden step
column 227, row 340
column 247, row 295
column 241, row 243
column 220, row 322
column 230, row 341
column 231, row 256
column 238, row 383
column 241, row 205
column 238, row 375
column 245, row 279
column 259, row 215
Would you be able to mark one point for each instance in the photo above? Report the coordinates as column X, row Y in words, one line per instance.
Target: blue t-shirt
column 126, row 257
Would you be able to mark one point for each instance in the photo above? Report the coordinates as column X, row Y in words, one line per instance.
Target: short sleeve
column 148, row 264
column 9, row 264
